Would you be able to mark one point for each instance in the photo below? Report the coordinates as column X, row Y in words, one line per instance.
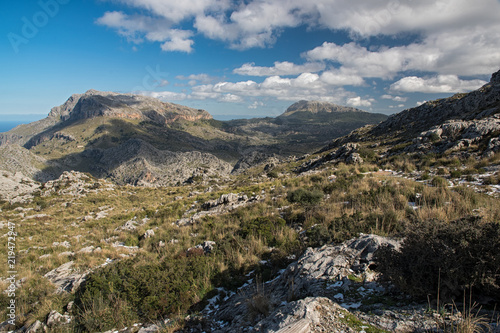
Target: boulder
column 65, row 278
column 56, row 319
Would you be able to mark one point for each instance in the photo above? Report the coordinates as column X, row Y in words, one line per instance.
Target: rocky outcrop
column 16, row 187
column 14, row 158
column 290, row 299
column 225, row 203
column 255, row 158
column 65, row 278
column 454, row 135
column 348, row 153
column 75, row 184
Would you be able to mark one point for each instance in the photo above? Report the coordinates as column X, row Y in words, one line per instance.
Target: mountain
column 94, row 104
column 153, row 142
column 463, row 125
column 316, row 107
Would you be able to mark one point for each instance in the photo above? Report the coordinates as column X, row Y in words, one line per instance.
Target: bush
column 141, row 289
column 305, row 197
column 449, row 257
column 439, row 181
column 264, row 227
column 273, row 174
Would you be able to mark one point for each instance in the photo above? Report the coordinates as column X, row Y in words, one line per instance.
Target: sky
column 246, row 58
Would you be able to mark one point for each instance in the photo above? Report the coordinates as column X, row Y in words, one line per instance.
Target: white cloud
column 279, row 68
column 437, row 84
column 256, row 104
column 179, row 41
column 456, row 37
column 165, row 95
column 342, row 77
column 178, row 11
column 230, row 98
column 138, row 28
column 306, row 86
column 195, row 78
column 394, row 98
column 357, row 102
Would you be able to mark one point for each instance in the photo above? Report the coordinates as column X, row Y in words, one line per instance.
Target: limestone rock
column 56, row 319
column 15, row 187
column 36, row 327
column 65, row 278
column 318, row 272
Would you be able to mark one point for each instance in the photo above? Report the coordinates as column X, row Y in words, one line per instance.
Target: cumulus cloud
column 446, row 39
column 230, row 98
column 165, row 95
column 437, row 84
column 138, row 28
column 307, row 86
column 342, row 77
column 359, row 102
column 279, row 68
column 256, row 104
column 457, row 37
column 395, row 98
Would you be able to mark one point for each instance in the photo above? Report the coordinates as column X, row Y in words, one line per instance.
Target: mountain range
column 141, row 140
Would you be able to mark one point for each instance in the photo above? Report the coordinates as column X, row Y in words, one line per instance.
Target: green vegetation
column 446, row 258
column 162, row 279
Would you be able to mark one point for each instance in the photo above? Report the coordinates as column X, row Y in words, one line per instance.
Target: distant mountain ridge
column 317, row 107
column 141, row 140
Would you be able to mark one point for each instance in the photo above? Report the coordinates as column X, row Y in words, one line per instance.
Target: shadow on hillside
column 118, row 141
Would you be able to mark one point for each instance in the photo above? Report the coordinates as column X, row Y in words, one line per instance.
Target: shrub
column 449, row 257
column 264, row 227
column 455, row 173
column 273, row 174
column 305, row 197
column 141, row 289
column 434, row 137
column 439, row 181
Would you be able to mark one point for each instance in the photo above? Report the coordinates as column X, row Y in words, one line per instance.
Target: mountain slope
column 464, row 125
column 78, row 134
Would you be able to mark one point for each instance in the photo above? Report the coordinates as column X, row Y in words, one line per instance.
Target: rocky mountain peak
column 94, row 103
column 317, row 107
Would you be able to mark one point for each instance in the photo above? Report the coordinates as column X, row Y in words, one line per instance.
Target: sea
column 9, row 121
column 8, row 125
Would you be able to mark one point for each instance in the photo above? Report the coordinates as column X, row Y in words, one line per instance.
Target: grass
column 353, row 322
column 329, row 209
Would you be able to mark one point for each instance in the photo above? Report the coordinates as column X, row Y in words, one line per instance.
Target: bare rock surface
column 75, row 184
column 347, row 153
column 328, row 289
column 225, row 203
column 65, row 278
column 15, row 187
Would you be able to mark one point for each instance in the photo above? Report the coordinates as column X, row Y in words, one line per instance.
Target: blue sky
column 245, row 58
